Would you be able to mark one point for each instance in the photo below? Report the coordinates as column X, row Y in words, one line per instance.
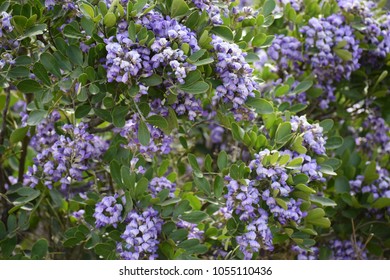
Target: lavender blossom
column 108, row 212
column 193, row 231
column 346, row 250
column 157, row 184
column 140, row 239
column 5, row 23
column 302, row 254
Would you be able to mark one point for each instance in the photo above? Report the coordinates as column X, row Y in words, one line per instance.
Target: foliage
column 185, row 129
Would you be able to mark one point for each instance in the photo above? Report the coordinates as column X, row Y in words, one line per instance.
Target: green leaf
column 322, row 201
column 82, row 111
column 343, row 54
column 334, row 142
column 109, row 19
column 26, row 195
column 222, row 160
column 321, row 222
column 33, row 31
column 29, row 86
column 341, row 184
column 295, row 163
column 143, row 133
column 75, row 55
column 193, row 162
column 370, row 173
column 304, row 188
column 87, row 10
column 327, row 125
column 153, row 80
column 51, row 65
column 303, row 86
column 119, row 115
column 141, row 187
column 39, row 249
column 196, row 55
column 18, row 134
column 203, row 185
column 301, row 179
column 158, row 121
column 36, row 117
column 3, row 231
column 41, row 73
column 18, row 72
column 196, row 88
column 71, row 32
column 115, row 171
column 203, row 61
column 259, row 40
column 268, row 7
column 261, row 105
column 179, row 8
column 194, row 217
column 283, row 133
column 381, row 202
column 223, row 32
column 282, row 90
column 218, row 186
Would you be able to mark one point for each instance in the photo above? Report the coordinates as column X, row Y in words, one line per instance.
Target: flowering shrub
column 180, row 129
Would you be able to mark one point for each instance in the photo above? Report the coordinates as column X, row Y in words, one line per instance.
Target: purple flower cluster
column 256, row 229
column 362, row 8
column 159, row 141
column 286, row 51
column 275, row 178
column 65, row 4
column 234, row 72
column 188, row 104
column 377, row 137
column 7, row 58
column 303, row 254
column 127, row 59
column 193, row 231
column 297, row 5
column 140, row 239
column 211, row 9
column 378, row 188
column 5, row 23
column 45, row 133
column 157, row 184
column 243, row 200
column 108, row 212
column 312, row 134
column 325, row 40
column 346, row 250
column 66, row 159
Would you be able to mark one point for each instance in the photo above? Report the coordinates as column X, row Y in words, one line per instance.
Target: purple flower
column 5, row 23
column 140, row 239
column 157, row 184
column 193, row 231
column 346, row 250
column 303, row 254
column 108, row 212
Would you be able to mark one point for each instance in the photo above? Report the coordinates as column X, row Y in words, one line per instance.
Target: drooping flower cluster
column 128, row 59
column 274, row 179
column 243, row 200
column 378, row 188
column 45, row 133
column 65, row 4
column 212, row 10
column 193, row 231
column 332, row 51
column 157, row 184
column 140, row 239
column 108, row 212
column 377, row 137
column 312, row 134
column 189, row 105
column 235, row 73
column 362, row 8
column 159, row 141
column 303, row 254
column 347, row 250
column 286, row 51
column 5, row 23
column 66, row 159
